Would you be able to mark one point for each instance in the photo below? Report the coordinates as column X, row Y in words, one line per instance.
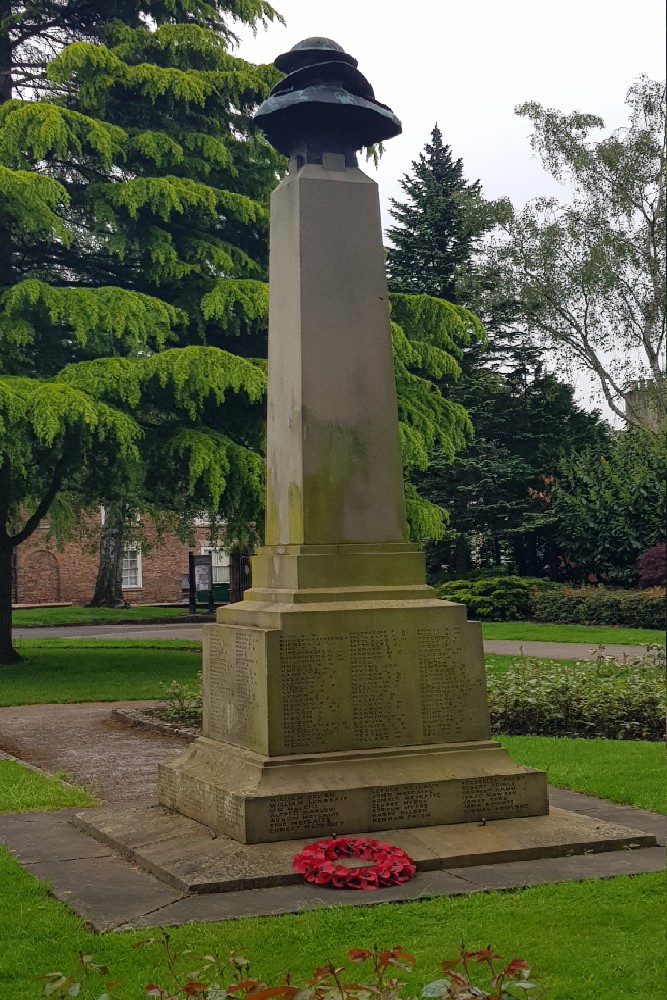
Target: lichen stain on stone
column 271, row 518
column 295, row 514
column 327, row 491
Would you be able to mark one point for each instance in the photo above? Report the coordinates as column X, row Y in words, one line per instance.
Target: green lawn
column 584, row 940
column 90, row 616
column 596, row 635
column 624, row 771
column 23, row 790
column 62, row 671
column 587, row 941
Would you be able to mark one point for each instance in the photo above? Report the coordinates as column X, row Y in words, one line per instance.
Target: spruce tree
column 432, row 237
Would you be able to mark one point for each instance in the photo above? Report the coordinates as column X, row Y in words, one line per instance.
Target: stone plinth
column 345, row 717
column 340, row 696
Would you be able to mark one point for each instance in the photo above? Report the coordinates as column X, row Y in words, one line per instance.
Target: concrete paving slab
column 611, row 812
column 110, row 893
column 31, row 838
column 295, row 899
column 193, row 861
column 518, row 874
column 106, row 891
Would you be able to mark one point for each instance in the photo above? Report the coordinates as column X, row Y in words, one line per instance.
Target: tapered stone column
column 335, row 516
column 340, row 696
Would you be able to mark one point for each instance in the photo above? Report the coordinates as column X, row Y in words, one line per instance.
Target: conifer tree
column 91, row 388
column 190, row 225
column 435, row 228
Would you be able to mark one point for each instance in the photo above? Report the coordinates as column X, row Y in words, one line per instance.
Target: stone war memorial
column 340, row 696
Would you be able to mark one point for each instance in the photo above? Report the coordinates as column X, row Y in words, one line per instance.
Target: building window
column 132, row 568
column 220, row 563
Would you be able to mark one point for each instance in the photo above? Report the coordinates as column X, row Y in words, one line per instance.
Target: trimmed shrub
column 599, row 606
column 653, row 566
column 608, row 698
column 495, row 598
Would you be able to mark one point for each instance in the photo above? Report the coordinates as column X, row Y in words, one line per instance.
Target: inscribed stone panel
column 303, row 815
column 379, row 671
column 234, row 671
column 408, row 805
column 492, row 797
column 443, row 682
column 315, row 708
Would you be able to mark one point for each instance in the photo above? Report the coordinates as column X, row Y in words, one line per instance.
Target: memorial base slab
column 257, row 799
column 191, row 858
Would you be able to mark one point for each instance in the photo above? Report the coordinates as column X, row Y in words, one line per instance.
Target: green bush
column 495, row 598
column 608, row 698
column 599, row 606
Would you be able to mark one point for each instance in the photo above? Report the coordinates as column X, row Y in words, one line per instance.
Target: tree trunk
column 7, row 652
column 519, row 546
column 531, row 556
column 109, row 583
column 6, row 54
column 461, row 555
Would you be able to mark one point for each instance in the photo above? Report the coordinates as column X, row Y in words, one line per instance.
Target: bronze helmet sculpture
column 323, row 105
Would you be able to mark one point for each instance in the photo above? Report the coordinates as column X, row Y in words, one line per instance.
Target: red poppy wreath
column 317, row 863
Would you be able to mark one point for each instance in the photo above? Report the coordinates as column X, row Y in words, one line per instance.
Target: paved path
column 550, row 650
column 117, row 762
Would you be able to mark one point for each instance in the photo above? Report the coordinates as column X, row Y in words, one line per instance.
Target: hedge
column 606, row 699
column 518, row 598
column 599, row 606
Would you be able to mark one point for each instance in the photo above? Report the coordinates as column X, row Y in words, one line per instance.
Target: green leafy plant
column 599, row 606
column 181, row 702
column 609, row 697
column 495, row 598
column 507, row 980
column 229, row 977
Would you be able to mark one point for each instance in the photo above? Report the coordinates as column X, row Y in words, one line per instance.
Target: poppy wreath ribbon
column 389, row 865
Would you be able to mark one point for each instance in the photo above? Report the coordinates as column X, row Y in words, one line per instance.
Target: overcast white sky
column 465, row 65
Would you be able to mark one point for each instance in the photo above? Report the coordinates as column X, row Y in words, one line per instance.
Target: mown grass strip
column 596, row 635
column 24, row 790
column 626, row 771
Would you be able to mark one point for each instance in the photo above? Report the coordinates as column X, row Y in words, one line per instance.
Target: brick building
column 43, row 574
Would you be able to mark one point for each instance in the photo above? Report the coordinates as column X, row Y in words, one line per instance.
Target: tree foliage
column 494, row 489
column 429, row 337
column 437, row 226
column 589, row 274
column 135, row 188
column 609, row 504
